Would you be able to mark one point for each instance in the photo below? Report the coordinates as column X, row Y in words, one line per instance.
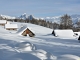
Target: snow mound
column 29, row 48
column 78, row 33
column 69, row 57
column 25, row 46
column 43, row 55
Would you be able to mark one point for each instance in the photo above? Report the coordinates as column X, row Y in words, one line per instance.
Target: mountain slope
column 6, row 17
column 46, row 45
column 75, row 18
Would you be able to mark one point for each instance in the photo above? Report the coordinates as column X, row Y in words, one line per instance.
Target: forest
column 65, row 23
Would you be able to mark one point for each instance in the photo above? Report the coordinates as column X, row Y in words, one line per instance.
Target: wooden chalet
column 25, row 31
column 11, row 26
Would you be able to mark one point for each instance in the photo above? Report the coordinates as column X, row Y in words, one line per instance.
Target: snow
column 68, row 33
column 22, row 29
column 77, row 33
column 7, row 17
column 3, row 21
column 44, row 46
column 25, row 46
column 11, row 25
column 69, row 57
column 44, row 55
column 56, row 19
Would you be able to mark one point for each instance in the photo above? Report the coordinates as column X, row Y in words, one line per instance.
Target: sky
column 39, row 8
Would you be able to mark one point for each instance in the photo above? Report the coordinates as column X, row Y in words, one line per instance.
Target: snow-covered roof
column 11, row 26
column 3, row 21
column 22, row 29
column 64, row 33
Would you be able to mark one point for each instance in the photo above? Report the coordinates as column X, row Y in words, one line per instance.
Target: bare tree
column 78, row 24
column 66, row 22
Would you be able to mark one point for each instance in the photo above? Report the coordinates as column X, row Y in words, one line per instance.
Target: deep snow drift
column 65, row 33
column 44, row 46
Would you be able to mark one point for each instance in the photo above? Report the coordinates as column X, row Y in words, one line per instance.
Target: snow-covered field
column 44, row 46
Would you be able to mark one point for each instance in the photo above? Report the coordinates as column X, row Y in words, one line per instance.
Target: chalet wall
column 11, row 28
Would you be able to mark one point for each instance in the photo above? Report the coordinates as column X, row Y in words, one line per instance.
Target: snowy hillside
column 75, row 18
column 53, row 19
column 7, row 17
column 44, row 46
